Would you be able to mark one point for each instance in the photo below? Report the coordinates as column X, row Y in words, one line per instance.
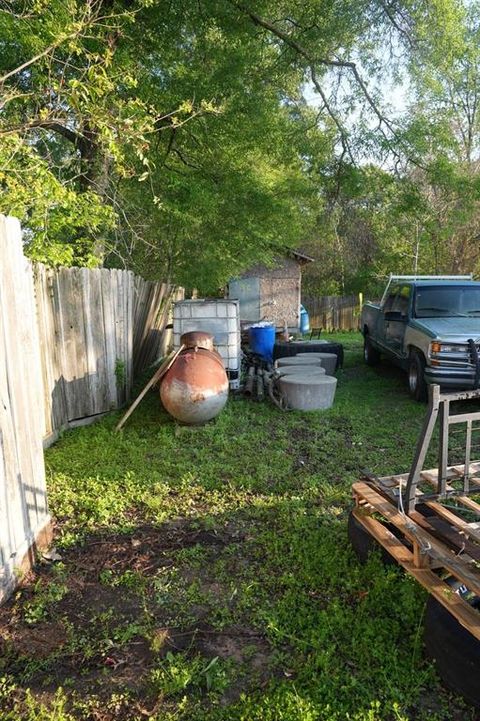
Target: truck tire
column 416, row 376
column 455, row 651
column 370, row 354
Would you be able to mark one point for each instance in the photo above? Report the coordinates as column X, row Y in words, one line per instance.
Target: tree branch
column 391, row 16
column 41, row 55
column 267, row 25
column 336, row 120
column 54, row 124
column 312, row 61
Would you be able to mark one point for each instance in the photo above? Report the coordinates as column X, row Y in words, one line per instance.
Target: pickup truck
column 430, row 327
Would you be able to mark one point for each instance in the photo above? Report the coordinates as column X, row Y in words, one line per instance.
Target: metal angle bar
column 464, row 417
column 431, row 277
column 443, row 449
column 421, row 497
column 461, row 395
column 422, row 447
column 461, row 431
column 468, row 448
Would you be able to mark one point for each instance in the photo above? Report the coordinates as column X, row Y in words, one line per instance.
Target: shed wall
column 278, row 289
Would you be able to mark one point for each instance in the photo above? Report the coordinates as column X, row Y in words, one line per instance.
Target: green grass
column 207, row 575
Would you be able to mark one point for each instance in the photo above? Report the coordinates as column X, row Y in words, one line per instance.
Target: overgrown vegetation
column 206, row 572
column 188, row 140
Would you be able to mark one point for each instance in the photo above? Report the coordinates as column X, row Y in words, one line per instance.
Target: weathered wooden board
column 23, row 503
column 152, row 313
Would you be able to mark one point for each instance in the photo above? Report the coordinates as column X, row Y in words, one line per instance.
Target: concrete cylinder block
column 308, row 393
column 314, row 356
column 302, row 370
column 328, row 360
column 295, row 360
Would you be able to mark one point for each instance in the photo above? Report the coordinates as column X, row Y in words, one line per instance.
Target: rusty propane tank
column 195, row 389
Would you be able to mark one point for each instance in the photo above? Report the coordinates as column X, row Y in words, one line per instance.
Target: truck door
column 383, row 322
column 396, row 320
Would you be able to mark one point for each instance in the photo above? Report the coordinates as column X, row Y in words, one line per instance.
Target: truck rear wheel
column 416, row 376
column 370, row 354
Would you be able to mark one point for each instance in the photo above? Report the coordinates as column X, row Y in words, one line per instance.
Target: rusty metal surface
column 197, row 339
column 195, row 389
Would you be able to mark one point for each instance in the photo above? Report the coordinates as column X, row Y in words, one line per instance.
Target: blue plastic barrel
column 304, row 320
column 262, row 340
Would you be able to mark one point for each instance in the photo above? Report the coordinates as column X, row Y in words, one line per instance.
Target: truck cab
column 430, row 326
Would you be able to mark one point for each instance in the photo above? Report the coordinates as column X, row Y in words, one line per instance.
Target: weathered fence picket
column 152, row 311
column 23, row 503
column 86, row 336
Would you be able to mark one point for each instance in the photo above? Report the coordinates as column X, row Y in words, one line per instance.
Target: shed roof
column 302, row 257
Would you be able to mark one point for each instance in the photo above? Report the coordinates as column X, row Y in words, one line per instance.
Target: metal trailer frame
column 419, row 516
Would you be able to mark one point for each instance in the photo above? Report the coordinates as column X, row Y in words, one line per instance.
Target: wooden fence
column 71, row 341
column 85, row 323
column 23, row 504
column 334, row 312
column 97, row 329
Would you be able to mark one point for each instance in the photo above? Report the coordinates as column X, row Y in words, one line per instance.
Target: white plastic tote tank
column 218, row 316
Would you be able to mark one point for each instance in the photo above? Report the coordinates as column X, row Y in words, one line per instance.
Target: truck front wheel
column 416, row 376
column 370, row 354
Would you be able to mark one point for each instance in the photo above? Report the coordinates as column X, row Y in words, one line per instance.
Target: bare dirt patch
column 102, row 638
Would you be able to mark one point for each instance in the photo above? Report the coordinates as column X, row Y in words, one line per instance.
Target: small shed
column 272, row 294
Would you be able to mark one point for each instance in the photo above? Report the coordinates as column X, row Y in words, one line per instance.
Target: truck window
column 400, row 304
column 390, row 299
column 447, row 301
column 469, row 301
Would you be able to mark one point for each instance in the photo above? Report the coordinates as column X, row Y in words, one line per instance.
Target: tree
column 174, row 138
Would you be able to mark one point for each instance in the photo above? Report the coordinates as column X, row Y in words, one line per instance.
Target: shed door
column 247, row 291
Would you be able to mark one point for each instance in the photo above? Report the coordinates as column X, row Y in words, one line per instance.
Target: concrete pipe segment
column 302, row 342
column 303, row 370
column 282, row 349
column 296, row 361
column 328, row 360
column 308, row 393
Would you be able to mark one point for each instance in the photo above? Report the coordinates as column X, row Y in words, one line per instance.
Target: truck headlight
column 436, row 347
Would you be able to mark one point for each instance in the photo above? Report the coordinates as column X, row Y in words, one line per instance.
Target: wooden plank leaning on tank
column 158, row 375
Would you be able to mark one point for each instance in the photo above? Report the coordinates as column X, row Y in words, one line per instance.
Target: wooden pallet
column 432, row 542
